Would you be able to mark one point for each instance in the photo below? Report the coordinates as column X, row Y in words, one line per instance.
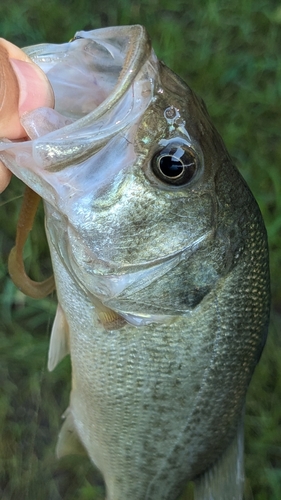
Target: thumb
column 23, row 87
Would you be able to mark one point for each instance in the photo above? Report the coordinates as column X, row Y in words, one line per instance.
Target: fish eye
column 175, row 164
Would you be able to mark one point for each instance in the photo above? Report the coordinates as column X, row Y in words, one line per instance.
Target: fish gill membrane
column 160, row 263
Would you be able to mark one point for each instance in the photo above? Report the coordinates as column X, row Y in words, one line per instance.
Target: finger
column 5, row 176
column 14, row 51
column 23, row 87
column 9, row 97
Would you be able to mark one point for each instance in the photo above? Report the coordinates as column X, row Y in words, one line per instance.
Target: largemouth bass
column 160, row 263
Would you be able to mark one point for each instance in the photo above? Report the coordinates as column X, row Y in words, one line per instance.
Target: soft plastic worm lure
column 37, row 290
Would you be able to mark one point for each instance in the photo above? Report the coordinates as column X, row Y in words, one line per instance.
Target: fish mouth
column 113, row 72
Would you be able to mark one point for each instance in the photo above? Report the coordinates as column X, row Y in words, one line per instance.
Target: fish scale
column 161, row 267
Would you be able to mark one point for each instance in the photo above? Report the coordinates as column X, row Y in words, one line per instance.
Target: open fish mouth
column 109, row 75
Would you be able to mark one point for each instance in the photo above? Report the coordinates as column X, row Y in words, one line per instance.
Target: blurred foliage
column 229, row 53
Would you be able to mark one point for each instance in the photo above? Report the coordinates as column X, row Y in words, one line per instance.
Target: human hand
column 23, row 87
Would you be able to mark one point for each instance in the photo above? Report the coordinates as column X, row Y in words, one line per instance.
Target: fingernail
column 35, row 89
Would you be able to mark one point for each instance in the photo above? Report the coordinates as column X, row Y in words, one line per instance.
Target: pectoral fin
column 68, row 441
column 225, row 480
column 59, row 342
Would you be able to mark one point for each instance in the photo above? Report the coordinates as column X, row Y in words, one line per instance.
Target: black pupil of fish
column 171, row 166
column 175, row 165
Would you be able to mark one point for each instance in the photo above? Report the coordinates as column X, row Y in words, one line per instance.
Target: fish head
column 129, row 166
column 145, row 231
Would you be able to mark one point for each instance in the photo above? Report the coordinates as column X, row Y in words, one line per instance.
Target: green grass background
column 229, row 53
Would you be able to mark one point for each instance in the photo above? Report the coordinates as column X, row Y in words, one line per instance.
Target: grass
column 229, row 52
